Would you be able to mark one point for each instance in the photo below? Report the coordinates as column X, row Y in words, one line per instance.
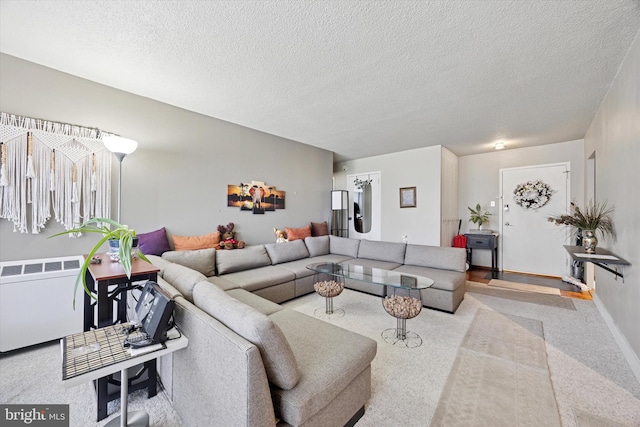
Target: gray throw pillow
column 257, row 328
column 317, row 245
column 202, row 260
column 183, row 279
column 382, row 251
column 344, row 246
column 288, row 251
column 230, row 261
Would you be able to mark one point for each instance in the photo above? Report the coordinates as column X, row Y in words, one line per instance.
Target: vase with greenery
column 111, row 231
column 477, row 217
column 594, row 218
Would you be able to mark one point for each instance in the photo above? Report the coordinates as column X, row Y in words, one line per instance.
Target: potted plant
column 594, row 218
column 122, row 242
column 477, row 217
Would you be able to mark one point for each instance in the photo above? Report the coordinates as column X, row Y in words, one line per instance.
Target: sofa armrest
column 219, row 374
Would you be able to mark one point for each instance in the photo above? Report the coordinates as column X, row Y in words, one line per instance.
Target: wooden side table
column 112, row 285
column 100, row 352
column 484, row 241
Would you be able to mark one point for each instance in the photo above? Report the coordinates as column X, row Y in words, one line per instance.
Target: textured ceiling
column 359, row 78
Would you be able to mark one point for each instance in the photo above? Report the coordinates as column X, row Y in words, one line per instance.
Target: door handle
column 508, row 224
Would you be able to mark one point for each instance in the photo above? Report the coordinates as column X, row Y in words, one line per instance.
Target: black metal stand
column 143, row 375
column 578, row 254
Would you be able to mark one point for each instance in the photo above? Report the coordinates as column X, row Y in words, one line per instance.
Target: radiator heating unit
column 36, row 301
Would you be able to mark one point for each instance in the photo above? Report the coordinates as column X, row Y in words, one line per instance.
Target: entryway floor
column 482, row 275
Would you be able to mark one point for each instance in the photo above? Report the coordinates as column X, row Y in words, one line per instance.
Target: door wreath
column 532, row 194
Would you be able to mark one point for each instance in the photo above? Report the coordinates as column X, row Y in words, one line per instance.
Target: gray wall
column 614, row 135
column 479, row 180
column 418, row 168
column 178, row 177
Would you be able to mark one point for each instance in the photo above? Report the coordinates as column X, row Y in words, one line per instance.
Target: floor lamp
column 120, row 147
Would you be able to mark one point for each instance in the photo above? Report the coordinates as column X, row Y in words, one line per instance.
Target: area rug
column 500, row 376
column 584, row 419
column 524, row 287
column 531, row 297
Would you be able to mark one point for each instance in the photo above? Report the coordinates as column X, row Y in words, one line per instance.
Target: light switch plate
column 493, row 203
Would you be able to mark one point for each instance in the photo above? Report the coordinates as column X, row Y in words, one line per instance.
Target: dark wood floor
column 483, row 275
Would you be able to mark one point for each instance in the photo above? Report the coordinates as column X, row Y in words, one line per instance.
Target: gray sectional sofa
column 251, row 362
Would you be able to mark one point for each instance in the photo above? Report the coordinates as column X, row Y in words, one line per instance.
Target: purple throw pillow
column 154, row 242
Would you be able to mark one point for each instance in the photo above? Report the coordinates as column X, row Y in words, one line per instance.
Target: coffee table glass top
column 378, row 276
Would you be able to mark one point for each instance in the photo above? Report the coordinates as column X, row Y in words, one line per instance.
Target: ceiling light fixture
column 499, row 145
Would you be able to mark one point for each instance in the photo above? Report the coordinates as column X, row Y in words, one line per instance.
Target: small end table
column 484, row 241
column 87, row 356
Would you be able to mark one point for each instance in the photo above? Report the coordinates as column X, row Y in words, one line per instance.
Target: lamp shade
column 118, row 144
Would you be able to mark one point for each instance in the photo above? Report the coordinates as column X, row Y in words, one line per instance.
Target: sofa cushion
column 190, row 243
column 319, row 228
column 154, row 242
column 344, row 246
column 285, row 252
column 436, row 257
column 255, row 327
column 298, row 267
column 373, row 263
column 447, row 280
column 260, row 278
column 157, row 261
column 325, row 370
column 298, row 233
column 383, row 251
column 263, row 305
column 230, row 261
column 183, row 279
column 222, row 283
column 317, row 245
column 173, row 292
column 202, row 260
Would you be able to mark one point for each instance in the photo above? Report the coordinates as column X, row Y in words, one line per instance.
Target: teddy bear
column 227, row 237
column 281, row 236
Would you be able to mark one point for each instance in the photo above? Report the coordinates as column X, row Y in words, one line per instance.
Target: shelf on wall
column 602, row 258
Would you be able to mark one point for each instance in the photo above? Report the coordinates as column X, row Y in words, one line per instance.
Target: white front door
column 366, row 207
column 530, row 243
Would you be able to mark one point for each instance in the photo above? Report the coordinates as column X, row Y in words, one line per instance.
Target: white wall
column 479, row 180
column 418, row 168
column 614, row 135
column 178, row 177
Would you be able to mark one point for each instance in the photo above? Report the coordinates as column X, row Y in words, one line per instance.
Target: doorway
column 366, row 209
column 530, row 243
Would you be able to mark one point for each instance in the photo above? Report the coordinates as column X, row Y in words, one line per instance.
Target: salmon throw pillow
column 298, row 233
column 191, row 243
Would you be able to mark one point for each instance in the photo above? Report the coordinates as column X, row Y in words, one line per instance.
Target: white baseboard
column 627, row 351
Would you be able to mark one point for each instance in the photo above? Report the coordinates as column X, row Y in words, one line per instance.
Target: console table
column 112, row 285
column 484, row 241
column 91, row 355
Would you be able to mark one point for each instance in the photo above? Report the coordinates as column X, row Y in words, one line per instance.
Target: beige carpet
column 524, row 287
column 500, row 376
column 529, row 297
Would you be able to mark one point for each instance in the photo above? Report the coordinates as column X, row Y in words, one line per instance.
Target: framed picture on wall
column 408, row 197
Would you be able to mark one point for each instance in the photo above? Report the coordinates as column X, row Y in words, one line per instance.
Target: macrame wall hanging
column 52, row 169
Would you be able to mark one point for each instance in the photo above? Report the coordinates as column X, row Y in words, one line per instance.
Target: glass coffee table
column 402, row 296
